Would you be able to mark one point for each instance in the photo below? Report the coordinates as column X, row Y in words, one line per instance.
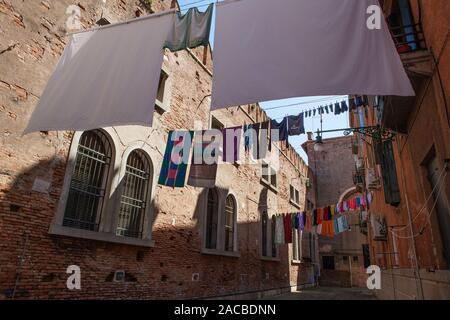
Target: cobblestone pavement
column 328, row 293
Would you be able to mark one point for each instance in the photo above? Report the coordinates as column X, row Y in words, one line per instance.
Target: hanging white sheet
column 105, row 77
column 267, row 50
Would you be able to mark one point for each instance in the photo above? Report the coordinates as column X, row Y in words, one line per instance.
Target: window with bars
column 88, row 182
column 230, row 214
column 133, row 201
column 211, row 219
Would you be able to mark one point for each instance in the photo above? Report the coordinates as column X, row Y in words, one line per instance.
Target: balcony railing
column 408, row 38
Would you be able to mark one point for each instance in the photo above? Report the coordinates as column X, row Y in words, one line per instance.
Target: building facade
column 408, row 176
column 91, row 199
column 332, row 166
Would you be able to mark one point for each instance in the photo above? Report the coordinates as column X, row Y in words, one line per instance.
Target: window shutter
column 390, row 182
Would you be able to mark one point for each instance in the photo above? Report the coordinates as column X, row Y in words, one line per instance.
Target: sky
column 330, row 121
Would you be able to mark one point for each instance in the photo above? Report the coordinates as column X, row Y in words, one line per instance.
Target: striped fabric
column 174, row 167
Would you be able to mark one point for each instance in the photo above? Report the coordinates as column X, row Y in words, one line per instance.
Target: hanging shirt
column 259, row 140
column 301, row 221
column 319, row 215
column 287, row 219
column 279, row 230
column 308, row 221
column 337, row 108
column 344, row 107
column 190, row 30
column 247, row 138
column 281, row 128
column 296, row 219
column 295, row 125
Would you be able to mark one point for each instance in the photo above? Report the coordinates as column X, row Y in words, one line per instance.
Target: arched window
column 133, row 201
column 88, row 182
column 264, row 225
column 230, row 214
column 211, row 219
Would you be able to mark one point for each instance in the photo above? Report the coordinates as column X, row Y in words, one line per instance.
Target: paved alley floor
column 328, row 293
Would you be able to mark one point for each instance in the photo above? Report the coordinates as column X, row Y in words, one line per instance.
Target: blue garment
column 361, row 118
column 337, row 108
column 282, row 129
column 295, row 125
column 344, row 107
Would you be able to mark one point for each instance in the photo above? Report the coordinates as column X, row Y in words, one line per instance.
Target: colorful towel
column 176, row 157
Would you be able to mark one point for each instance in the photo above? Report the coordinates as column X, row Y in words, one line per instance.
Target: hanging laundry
column 344, row 107
column 358, row 202
column 336, row 226
column 295, row 125
column 296, row 220
column 231, row 144
column 303, row 67
column 287, row 219
column 328, row 228
column 365, row 100
column 319, row 215
column 331, row 108
column 314, row 217
column 176, row 158
column 309, row 113
column 337, row 108
column 333, row 211
column 327, row 110
column 190, row 30
column 318, row 229
column 308, row 221
column 105, row 77
column 247, row 138
column 361, row 118
column 345, row 205
column 329, row 214
column 358, row 101
column 258, row 139
column 279, row 230
column 314, row 112
column 282, row 130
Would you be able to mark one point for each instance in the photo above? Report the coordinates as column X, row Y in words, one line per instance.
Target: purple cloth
column 301, row 220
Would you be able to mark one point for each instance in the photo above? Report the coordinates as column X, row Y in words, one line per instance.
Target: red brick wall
column 33, row 263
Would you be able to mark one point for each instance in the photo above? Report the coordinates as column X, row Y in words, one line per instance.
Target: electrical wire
column 328, row 99
column 427, row 220
column 441, row 175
